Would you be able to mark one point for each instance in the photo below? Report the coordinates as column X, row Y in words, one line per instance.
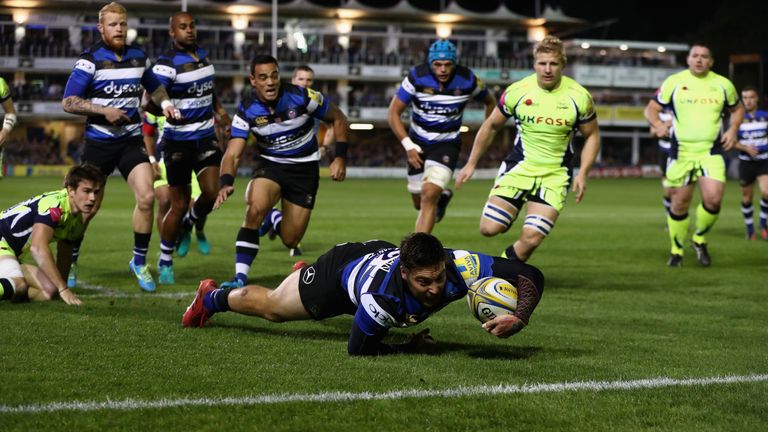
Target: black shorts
column 298, row 182
column 750, row 170
column 183, row 157
column 123, row 154
column 444, row 153
column 320, row 288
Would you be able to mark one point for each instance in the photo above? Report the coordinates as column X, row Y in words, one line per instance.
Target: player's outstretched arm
column 39, row 248
column 529, row 282
column 335, row 117
column 591, row 133
column 228, row 169
column 362, row 344
column 491, row 126
column 412, row 150
column 731, row 136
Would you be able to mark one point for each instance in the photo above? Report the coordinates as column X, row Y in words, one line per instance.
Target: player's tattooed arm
column 78, row 105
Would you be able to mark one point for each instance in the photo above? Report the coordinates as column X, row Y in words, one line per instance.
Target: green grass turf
column 611, row 311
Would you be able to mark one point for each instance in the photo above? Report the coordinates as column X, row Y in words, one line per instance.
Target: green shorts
column 682, row 172
column 163, row 180
column 526, row 183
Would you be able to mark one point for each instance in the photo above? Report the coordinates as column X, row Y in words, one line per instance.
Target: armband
column 9, row 122
column 341, row 149
column 408, row 144
column 152, row 159
column 226, row 180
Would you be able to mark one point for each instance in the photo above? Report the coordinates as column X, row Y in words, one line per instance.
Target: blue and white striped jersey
column 284, row 130
column 115, row 80
column 374, row 284
column 437, row 109
column 754, row 132
column 189, row 81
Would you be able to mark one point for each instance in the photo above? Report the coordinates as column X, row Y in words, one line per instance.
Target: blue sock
column 746, row 211
column 166, row 253
column 140, row 248
column 276, row 217
column 246, row 249
column 217, row 301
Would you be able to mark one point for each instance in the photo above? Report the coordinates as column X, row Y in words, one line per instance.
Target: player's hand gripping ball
column 490, row 297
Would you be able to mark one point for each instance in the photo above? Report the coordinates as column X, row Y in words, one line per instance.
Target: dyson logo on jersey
column 439, row 109
column 118, row 89
column 199, row 88
column 546, row 120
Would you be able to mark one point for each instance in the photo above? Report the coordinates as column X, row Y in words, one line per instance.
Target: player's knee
column 535, row 229
column 253, row 216
column 438, row 175
column 495, row 219
column 145, row 200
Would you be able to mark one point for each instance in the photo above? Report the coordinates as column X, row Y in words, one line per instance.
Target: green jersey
column 50, row 208
column 5, row 91
column 546, row 120
column 697, row 105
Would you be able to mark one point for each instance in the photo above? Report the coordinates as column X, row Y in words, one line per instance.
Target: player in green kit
column 697, row 98
column 9, row 121
column 547, row 108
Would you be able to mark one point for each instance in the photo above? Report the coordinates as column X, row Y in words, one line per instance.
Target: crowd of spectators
column 36, row 150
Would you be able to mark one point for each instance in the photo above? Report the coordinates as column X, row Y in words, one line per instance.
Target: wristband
column 408, row 144
column 9, row 122
column 165, row 104
column 341, row 149
column 226, row 180
column 152, row 159
column 62, row 290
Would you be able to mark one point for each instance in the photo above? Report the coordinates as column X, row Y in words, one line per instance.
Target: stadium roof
column 402, row 11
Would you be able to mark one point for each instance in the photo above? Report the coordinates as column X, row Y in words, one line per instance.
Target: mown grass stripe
column 593, row 386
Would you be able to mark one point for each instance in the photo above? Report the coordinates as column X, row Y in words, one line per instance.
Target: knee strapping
column 539, row 223
column 498, row 215
column 437, row 174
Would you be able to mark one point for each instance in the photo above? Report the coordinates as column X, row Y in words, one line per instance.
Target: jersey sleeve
column 586, row 106
column 81, row 77
column 164, row 71
column 375, row 314
column 407, row 90
column 240, row 126
column 48, row 211
column 481, row 90
column 664, row 94
column 731, row 95
column 5, row 91
column 149, row 80
column 508, row 101
column 317, row 104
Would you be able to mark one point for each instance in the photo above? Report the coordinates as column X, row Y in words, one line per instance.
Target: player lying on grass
column 58, row 216
column 382, row 286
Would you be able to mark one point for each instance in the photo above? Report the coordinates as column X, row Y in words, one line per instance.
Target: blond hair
column 550, row 45
column 113, row 7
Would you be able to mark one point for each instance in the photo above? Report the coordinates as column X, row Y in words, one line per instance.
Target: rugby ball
column 490, row 297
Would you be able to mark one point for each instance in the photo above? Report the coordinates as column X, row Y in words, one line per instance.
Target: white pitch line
column 104, row 292
column 592, row 386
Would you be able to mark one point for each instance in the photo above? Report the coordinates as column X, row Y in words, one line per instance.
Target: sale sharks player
column 548, row 108
column 382, row 286
column 697, row 97
column 189, row 143
column 60, row 216
column 281, row 117
column 106, row 87
column 438, row 91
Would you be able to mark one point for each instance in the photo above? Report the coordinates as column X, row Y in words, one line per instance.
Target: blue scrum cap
column 442, row 50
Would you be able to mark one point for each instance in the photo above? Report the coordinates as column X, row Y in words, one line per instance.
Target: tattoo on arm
column 78, row 105
column 159, row 95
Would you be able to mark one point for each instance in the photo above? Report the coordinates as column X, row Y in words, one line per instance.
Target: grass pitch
column 612, row 314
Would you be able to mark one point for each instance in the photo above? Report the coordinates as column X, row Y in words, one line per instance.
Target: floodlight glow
column 443, row 31
column 623, row 47
column 361, row 126
column 661, row 49
column 585, row 45
column 464, row 129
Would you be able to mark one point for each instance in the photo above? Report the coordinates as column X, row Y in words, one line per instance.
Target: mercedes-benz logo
column 309, row 275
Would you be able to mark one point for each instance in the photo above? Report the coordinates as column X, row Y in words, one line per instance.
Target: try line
column 592, row 386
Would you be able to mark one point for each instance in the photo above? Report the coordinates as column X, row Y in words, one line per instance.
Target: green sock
column 678, row 231
column 705, row 219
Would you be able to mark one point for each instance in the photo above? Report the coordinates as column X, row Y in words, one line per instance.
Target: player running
column 548, row 108
column 438, row 91
column 753, row 161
